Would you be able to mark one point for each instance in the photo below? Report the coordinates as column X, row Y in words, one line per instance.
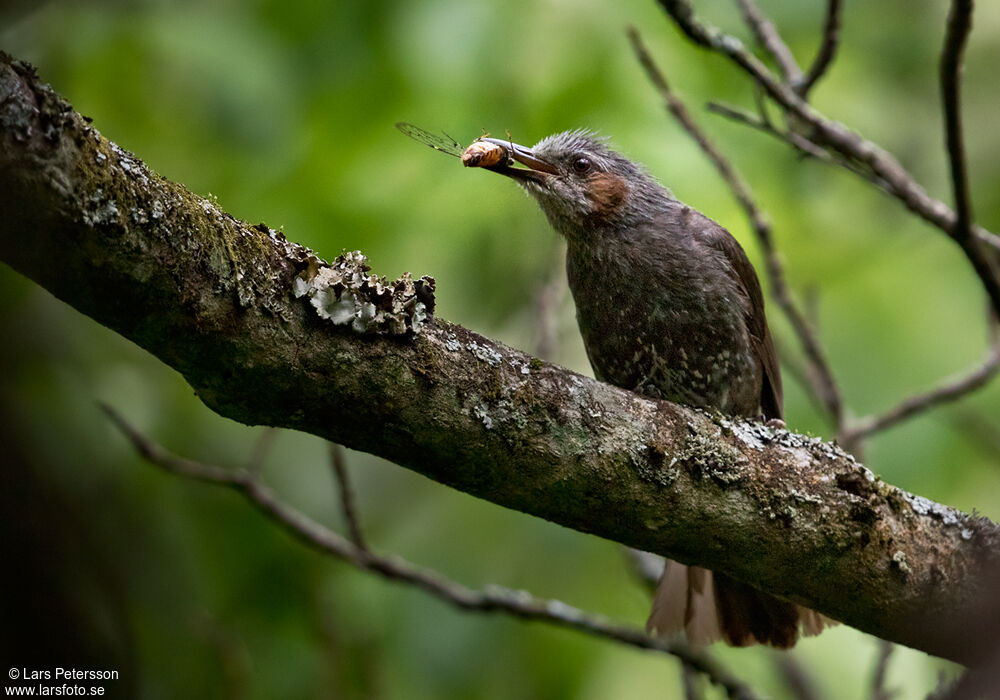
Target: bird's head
column 582, row 185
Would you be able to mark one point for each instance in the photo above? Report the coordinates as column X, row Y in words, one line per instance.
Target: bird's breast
column 663, row 332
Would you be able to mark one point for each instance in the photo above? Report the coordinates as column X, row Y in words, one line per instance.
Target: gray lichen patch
column 757, row 435
column 485, row 353
column 655, row 469
column 708, row 457
column 100, row 210
column 500, row 413
column 345, row 294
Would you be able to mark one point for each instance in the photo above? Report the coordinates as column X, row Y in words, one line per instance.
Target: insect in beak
column 492, row 154
column 503, row 156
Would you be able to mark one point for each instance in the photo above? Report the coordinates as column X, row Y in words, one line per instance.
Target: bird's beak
column 535, row 168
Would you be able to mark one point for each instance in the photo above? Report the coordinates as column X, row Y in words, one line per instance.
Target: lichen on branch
column 345, row 294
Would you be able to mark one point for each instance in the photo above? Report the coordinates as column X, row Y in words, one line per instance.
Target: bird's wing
column 721, row 240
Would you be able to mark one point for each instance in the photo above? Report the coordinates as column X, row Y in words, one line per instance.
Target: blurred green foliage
column 284, row 112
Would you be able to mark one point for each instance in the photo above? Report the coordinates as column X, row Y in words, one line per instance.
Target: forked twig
column 767, row 36
column 837, row 137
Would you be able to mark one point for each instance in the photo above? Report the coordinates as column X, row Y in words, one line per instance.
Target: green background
column 285, row 112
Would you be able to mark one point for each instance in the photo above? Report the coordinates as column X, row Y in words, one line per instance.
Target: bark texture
column 267, row 333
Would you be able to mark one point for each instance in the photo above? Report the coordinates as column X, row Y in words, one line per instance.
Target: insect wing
column 443, row 143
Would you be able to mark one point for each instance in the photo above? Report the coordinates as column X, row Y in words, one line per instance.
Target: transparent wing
column 443, row 143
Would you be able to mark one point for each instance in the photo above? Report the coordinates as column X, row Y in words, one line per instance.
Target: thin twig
column 339, row 467
column 646, row 566
column 879, row 673
column 807, row 148
column 796, row 368
column 767, row 36
column 827, row 50
column 760, row 101
column 949, row 389
column 879, row 691
column 834, row 135
column 956, row 38
column 943, row 689
column 263, row 445
column 520, row 604
column 690, row 679
column 821, row 377
column 981, row 430
column 797, row 141
column 799, row 682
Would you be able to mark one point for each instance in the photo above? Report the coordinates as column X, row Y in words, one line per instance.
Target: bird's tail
column 709, row 606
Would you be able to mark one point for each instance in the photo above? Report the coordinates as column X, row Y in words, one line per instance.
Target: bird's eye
column 582, row 165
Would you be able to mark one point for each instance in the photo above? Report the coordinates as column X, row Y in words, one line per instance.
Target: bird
column 669, row 307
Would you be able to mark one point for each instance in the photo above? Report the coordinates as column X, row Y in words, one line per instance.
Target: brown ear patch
column 606, row 191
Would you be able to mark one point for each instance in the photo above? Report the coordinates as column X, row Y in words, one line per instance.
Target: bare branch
column 827, row 49
column 956, row 38
column 807, row 148
column 493, row 599
column 339, row 466
column 260, row 449
column 820, row 375
column 796, row 368
column 951, row 389
column 799, row 682
column 980, row 429
column 826, row 132
column 879, row 691
column 689, row 679
column 767, row 36
column 800, row 143
column 646, row 567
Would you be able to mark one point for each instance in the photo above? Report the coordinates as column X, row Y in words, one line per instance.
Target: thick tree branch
column 268, row 334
